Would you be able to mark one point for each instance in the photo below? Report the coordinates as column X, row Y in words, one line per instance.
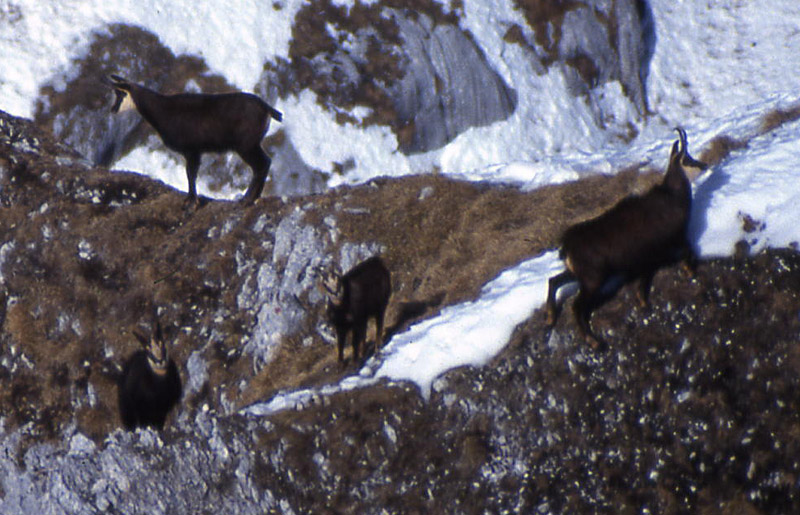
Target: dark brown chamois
column 150, row 385
column 354, row 298
column 632, row 240
column 194, row 123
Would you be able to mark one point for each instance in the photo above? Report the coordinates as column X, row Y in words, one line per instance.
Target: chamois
column 633, row 239
column 149, row 385
column 354, row 298
column 194, row 123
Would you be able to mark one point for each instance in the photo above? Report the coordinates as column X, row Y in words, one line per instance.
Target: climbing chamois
column 633, row 239
column 354, row 298
column 149, row 385
column 194, row 123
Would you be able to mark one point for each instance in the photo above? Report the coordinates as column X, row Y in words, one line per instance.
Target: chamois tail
column 277, row 115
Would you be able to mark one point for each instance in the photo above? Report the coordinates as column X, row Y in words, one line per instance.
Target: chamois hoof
column 595, row 343
column 550, row 318
column 247, row 201
column 191, row 204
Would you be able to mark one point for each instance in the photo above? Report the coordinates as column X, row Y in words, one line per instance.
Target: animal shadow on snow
column 701, row 202
column 407, row 313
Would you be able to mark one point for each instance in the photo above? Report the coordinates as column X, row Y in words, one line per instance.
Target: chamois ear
column 144, row 341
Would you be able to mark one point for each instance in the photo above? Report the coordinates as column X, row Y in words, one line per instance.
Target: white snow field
column 718, row 66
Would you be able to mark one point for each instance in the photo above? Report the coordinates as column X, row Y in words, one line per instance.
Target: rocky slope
column 693, row 407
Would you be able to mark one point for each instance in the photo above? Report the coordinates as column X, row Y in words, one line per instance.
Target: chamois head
column 331, row 285
column 680, row 156
column 155, row 350
column 123, row 100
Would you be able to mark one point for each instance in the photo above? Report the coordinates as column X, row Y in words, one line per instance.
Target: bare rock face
column 593, row 42
column 416, row 70
column 448, row 85
column 602, row 43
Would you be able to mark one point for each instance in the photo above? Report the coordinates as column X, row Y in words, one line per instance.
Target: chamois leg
column 341, row 340
column 583, row 306
column 192, row 165
column 688, row 260
column 643, row 291
column 379, row 331
column 129, row 420
column 359, row 335
column 554, row 284
column 259, row 162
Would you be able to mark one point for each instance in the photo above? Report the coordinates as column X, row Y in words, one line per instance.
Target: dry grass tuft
column 778, row 117
column 545, row 17
column 719, row 148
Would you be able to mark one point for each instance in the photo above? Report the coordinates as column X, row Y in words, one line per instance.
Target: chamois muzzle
column 118, row 100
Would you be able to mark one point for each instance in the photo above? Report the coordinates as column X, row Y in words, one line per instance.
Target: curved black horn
column 682, row 136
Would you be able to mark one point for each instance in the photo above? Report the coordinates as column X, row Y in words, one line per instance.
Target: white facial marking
column 127, row 104
column 693, row 172
column 157, row 357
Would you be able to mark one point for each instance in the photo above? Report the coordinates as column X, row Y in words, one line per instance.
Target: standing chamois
column 633, row 239
column 194, row 123
column 354, row 298
column 149, row 385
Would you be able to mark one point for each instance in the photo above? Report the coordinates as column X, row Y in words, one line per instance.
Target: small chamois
column 194, row 123
column 150, row 385
column 354, row 298
column 632, row 240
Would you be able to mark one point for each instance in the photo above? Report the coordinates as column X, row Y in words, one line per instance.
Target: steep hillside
column 693, row 407
column 87, row 252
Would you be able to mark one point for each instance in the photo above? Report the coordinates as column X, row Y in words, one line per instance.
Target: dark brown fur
column 194, row 123
column 146, row 397
column 633, row 239
column 363, row 294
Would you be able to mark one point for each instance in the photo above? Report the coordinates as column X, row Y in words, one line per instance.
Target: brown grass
column 542, row 15
column 778, row 117
column 719, row 148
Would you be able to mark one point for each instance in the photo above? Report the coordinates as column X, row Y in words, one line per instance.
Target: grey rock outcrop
column 448, row 85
